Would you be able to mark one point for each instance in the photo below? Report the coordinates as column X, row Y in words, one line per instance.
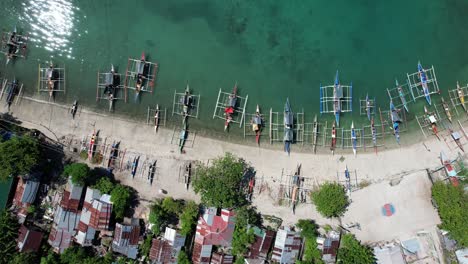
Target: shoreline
column 272, row 166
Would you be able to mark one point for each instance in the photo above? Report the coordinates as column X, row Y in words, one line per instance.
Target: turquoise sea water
column 274, row 49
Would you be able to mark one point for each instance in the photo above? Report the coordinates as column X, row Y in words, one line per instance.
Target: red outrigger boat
column 91, row 146
column 333, row 143
column 432, row 121
column 230, row 108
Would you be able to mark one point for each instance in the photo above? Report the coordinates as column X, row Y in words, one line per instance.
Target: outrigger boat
column 50, row 73
column 135, row 166
column 11, row 92
column 315, row 134
column 447, row 110
column 110, row 88
column 374, row 135
column 333, row 136
column 456, row 137
column 113, row 155
column 151, row 170
column 447, row 165
column 156, row 118
column 288, row 127
column 257, row 124
column 368, row 107
column 461, row 96
column 92, row 143
column 140, row 68
column 187, row 174
column 187, row 101
column 14, row 44
column 336, row 99
column 348, row 181
column 183, row 137
column 432, row 121
column 230, row 109
column 395, row 121
column 74, row 108
column 423, row 79
column 402, row 95
column 353, row 138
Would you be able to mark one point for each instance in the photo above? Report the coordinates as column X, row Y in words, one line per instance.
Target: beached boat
column 430, row 118
column 348, row 180
column 456, row 137
column 113, row 155
column 151, row 170
column 374, row 135
column 461, row 96
column 424, row 84
column 447, row 163
column 447, row 110
column 257, row 124
column 140, row 77
column 183, row 137
column 186, row 101
column 315, row 134
column 353, row 138
column 395, row 121
column 231, row 107
column 187, row 174
column 288, row 126
column 333, row 138
column 135, row 162
column 74, row 108
column 92, row 143
column 368, row 107
column 11, row 92
column 337, row 99
column 156, row 118
column 402, row 95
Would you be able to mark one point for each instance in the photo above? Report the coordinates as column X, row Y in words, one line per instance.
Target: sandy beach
column 271, row 165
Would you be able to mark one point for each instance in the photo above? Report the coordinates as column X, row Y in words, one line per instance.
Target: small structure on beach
column 126, row 237
column 329, row 245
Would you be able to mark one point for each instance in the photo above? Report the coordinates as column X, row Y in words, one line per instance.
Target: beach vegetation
column 452, row 204
column 330, row 200
column 308, row 231
column 97, row 158
column 239, row 260
column 79, row 173
column 22, row 258
column 146, row 246
column 8, row 234
column 183, row 258
column 219, row 183
column 104, row 185
column 352, row 251
column 189, row 218
column 243, row 236
column 169, row 211
column 84, row 154
column 17, row 156
column 121, row 198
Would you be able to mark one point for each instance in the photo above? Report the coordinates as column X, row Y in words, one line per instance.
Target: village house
column 26, row 191
column 262, row 244
column 126, row 237
column 287, row 246
column 212, row 230
column 66, row 218
column 29, row 239
column 329, row 246
column 166, row 249
column 95, row 216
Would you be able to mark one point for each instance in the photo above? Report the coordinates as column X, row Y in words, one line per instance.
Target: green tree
column 17, row 156
column 104, row 185
column 308, row 231
column 22, row 258
column 73, row 255
column 51, row 258
column 79, row 173
column 239, row 260
column 219, row 183
column 8, row 233
column 146, row 246
column 243, row 236
column 452, row 203
column 188, row 218
column 182, row 258
column 330, row 200
column 172, row 206
column 158, row 216
column 120, row 197
column 352, row 251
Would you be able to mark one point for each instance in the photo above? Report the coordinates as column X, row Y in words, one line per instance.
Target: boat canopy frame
column 425, row 124
column 178, row 105
column 223, row 101
column 277, row 129
column 363, row 107
column 295, row 188
column 455, row 99
column 151, row 112
column 60, row 79
column 102, row 82
column 189, row 140
column 23, row 41
column 4, row 89
column 131, row 73
column 327, row 99
column 415, row 84
column 248, row 124
column 394, row 95
column 347, row 142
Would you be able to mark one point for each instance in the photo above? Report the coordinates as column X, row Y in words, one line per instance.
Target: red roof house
column 25, row 195
column 167, row 248
column 212, row 230
column 287, row 246
column 262, row 243
column 126, row 237
column 29, row 240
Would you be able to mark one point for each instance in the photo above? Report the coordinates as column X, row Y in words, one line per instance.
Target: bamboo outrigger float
column 339, row 102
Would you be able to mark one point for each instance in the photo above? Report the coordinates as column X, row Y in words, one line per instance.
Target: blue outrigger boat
column 288, row 127
column 368, row 107
column 336, row 99
column 402, row 95
column 353, row 138
column 395, row 121
column 423, row 78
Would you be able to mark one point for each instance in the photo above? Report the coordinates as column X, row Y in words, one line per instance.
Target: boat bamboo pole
column 463, row 129
column 39, row 78
column 64, row 81
column 19, row 94
column 174, row 102
column 381, row 123
column 243, row 111
column 271, row 124
column 3, row 88
column 217, row 103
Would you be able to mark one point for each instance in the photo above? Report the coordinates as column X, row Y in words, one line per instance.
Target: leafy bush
column 330, row 200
